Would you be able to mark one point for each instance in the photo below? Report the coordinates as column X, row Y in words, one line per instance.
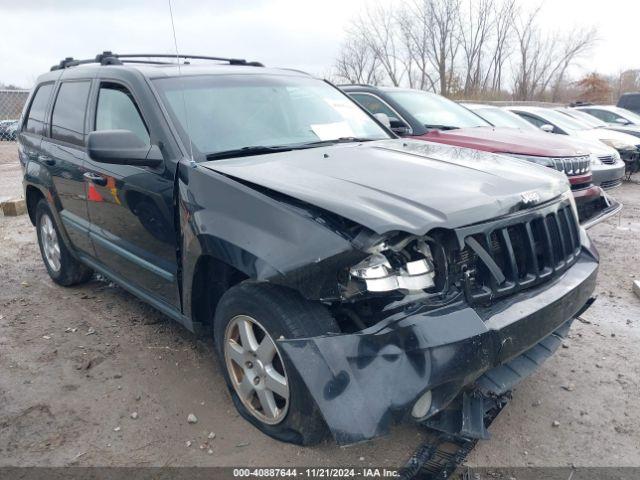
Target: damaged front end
column 425, row 319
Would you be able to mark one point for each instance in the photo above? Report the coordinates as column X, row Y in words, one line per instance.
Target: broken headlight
column 408, row 268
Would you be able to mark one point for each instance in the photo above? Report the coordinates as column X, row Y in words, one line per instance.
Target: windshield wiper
column 441, row 127
column 248, row 151
column 264, row 149
column 333, row 141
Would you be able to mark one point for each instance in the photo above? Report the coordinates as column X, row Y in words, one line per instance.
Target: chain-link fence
column 11, row 104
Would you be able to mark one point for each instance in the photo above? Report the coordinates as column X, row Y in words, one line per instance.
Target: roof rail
column 356, row 85
column 109, row 58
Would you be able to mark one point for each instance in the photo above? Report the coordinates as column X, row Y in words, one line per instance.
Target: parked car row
column 566, row 122
column 8, row 129
column 351, row 279
column 431, row 117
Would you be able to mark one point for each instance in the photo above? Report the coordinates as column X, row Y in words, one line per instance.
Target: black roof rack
column 369, row 85
column 109, row 58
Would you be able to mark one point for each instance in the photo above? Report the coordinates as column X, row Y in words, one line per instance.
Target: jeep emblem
column 530, row 197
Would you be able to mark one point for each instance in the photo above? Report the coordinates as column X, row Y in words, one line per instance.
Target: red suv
column 427, row 116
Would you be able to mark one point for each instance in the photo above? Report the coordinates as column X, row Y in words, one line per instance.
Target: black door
column 130, row 207
column 63, row 154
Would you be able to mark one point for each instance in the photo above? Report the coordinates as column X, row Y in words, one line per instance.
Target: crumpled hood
column 404, row 185
column 508, row 140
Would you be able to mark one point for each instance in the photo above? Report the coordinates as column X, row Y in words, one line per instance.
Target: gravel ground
column 78, row 362
column 10, row 173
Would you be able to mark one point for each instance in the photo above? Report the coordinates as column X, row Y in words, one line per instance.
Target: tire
column 281, row 313
column 62, row 267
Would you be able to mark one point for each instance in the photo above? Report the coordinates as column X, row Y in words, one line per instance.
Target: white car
column 499, row 117
column 555, row 122
column 598, row 123
column 609, row 169
column 611, row 114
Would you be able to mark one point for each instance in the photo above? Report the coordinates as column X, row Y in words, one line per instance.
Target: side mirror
column 399, row 127
column 122, row 147
column 383, row 118
column 547, row 128
column 622, row 121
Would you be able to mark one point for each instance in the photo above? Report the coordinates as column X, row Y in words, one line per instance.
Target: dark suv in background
column 434, row 118
column 350, row 279
column 630, row 101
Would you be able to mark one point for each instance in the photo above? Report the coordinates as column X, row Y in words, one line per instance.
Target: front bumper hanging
column 365, row 382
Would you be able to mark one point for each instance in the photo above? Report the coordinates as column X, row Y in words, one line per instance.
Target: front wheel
column 266, row 389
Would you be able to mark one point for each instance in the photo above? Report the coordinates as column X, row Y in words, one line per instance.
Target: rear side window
column 117, row 110
column 373, row 104
column 67, row 119
column 38, row 109
column 604, row 115
column 531, row 119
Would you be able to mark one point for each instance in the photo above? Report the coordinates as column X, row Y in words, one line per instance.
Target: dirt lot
column 76, row 363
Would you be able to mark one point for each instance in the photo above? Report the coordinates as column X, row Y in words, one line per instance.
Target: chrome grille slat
column 607, row 159
column 572, row 165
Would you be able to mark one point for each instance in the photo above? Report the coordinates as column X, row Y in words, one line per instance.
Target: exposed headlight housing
column 379, row 275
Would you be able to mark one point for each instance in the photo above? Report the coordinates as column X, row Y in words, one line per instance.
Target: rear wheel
column 61, row 266
column 266, row 389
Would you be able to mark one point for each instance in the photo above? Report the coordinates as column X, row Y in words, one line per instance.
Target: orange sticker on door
column 94, row 195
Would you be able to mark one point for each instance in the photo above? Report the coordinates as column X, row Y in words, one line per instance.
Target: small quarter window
column 117, row 111
column 67, row 119
column 373, row 104
column 38, row 109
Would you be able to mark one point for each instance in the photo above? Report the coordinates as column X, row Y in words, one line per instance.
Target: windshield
column 584, row 117
column 562, row 121
column 220, row 113
column 434, row 111
column 503, row 118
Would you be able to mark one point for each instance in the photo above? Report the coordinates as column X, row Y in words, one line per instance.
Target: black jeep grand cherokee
column 350, row 279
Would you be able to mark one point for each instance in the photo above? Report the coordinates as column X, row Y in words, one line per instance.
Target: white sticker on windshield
column 332, row 131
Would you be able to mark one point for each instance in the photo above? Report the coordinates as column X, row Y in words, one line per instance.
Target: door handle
column 46, row 159
column 95, row 178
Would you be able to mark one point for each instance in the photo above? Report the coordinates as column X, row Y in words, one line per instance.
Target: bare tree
column 377, row 27
column 461, row 47
column 430, row 29
column 415, row 23
column 504, row 14
column 476, row 24
column 544, row 58
column 575, row 44
column 356, row 62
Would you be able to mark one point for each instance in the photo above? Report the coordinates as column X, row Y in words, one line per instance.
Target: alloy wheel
column 50, row 243
column 256, row 369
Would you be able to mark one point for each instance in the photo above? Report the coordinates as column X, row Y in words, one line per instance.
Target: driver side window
column 533, row 120
column 605, row 115
column 117, row 110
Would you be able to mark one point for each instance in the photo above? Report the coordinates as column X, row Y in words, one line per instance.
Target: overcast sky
column 303, row 34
